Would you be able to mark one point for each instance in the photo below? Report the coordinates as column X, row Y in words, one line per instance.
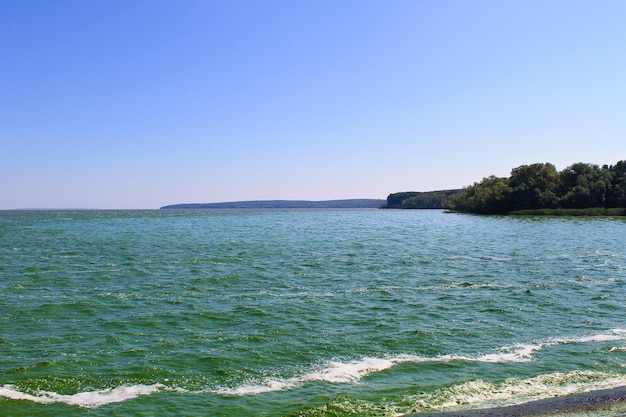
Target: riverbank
column 592, row 211
column 601, row 403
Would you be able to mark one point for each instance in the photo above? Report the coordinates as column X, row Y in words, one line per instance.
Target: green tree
column 584, row 185
column 533, row 186
column 429, row 200
column 618, row 185
column 539, row 187
column 490, row 196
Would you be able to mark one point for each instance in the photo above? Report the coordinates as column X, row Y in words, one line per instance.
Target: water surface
column 329, row 312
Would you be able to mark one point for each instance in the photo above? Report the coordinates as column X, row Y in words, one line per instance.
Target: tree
column 540, row 186
column 584, row 185
column 490, row 196
column 533, row 186
column 618, row 185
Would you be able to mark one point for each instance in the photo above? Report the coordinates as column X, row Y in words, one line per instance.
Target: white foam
column 349, row 372
column 9, row 391
column 519, row 353
column 479, row 393
column 253, row 389
column 600, row 338
column 334, row 372
column 353, row 371
column 612, row 335
column 88, row 399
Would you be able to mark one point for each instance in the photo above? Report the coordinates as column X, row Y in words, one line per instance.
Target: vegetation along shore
column 579, row 189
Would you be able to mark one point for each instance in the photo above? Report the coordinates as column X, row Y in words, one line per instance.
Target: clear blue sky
column 142, row 103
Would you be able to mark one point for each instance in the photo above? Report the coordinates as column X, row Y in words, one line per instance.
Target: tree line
column 421, row 200
column 540, row 186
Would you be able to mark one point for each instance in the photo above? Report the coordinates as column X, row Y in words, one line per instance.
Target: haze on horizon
column 116, row 104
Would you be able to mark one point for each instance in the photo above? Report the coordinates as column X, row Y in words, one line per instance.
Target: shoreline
column 606, row 399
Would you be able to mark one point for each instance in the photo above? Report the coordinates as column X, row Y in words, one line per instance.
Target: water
column 304, row 313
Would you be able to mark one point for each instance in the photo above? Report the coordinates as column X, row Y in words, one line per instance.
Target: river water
column 304, row 312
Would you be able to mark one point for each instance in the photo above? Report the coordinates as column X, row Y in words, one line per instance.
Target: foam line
column 353, row 371
column 88, row 399
column 572, row 403
column 612, row 335
column 333, row 372
column 349, row 372
column 520, row 353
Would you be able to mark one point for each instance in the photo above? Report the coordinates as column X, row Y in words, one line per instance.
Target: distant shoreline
column 606, row 399
column 282, row 204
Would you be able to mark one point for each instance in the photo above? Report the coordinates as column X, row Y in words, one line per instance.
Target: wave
column 332, row 372
column 513, row 391
column 613, row 335
column 88, row 399
column 477, row 395
column 353, row 371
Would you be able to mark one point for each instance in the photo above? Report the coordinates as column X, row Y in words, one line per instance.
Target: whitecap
column 600, row 338
column 480, row 394
column 349, row 372
column 87, row 399
column 612, row 335
column 333, row 371
column 519, row 353
column 10, row 392
column 253, row 389
column 353, row 371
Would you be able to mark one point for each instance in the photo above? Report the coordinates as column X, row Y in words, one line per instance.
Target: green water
column 313, row 313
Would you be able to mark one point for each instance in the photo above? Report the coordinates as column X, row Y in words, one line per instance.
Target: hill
column 283, row 204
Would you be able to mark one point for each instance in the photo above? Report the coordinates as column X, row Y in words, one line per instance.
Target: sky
column 139, row 104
